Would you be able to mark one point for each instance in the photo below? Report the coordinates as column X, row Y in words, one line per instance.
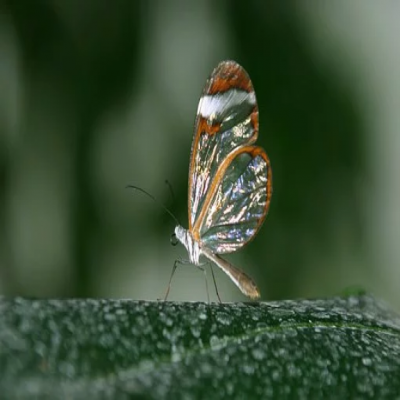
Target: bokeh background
column 95, row 95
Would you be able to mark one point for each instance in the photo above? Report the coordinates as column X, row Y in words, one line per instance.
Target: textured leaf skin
column 81, row 349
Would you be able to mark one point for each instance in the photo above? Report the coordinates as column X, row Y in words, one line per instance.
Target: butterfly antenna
column 167, row 182
column 155, row 200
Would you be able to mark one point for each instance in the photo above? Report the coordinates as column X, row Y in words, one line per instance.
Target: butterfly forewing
column 238, row 204
column 227, row 118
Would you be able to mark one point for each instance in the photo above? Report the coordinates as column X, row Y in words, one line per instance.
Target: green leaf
column 84, row 349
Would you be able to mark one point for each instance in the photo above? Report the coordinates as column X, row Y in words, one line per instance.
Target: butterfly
column 230, row 179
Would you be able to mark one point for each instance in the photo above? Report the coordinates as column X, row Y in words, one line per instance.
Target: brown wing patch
column 226, row 75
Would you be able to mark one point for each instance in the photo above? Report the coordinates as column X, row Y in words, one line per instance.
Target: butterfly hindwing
column 237, row 202
column 227, row 118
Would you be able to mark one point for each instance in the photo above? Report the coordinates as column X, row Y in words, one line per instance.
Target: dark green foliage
column 335, row 348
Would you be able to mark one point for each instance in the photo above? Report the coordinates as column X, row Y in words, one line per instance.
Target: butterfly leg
column 176, row 263
column 215, row 283
column 172, row 275
column 201, row 267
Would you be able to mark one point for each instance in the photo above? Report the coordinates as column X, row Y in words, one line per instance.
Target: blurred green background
column 96, row 95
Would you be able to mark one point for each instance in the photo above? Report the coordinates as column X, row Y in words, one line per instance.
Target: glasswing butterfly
column 230, row 179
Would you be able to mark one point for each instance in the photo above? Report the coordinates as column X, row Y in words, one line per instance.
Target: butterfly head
column 174, row 240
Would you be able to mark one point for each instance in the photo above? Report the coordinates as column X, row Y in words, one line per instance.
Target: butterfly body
column 230, row 179
column 191, row 245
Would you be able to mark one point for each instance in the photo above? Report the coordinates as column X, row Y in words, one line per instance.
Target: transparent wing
column 237, row 202
column 227, row 118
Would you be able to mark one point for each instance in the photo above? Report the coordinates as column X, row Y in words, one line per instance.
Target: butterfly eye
column 174, row 240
